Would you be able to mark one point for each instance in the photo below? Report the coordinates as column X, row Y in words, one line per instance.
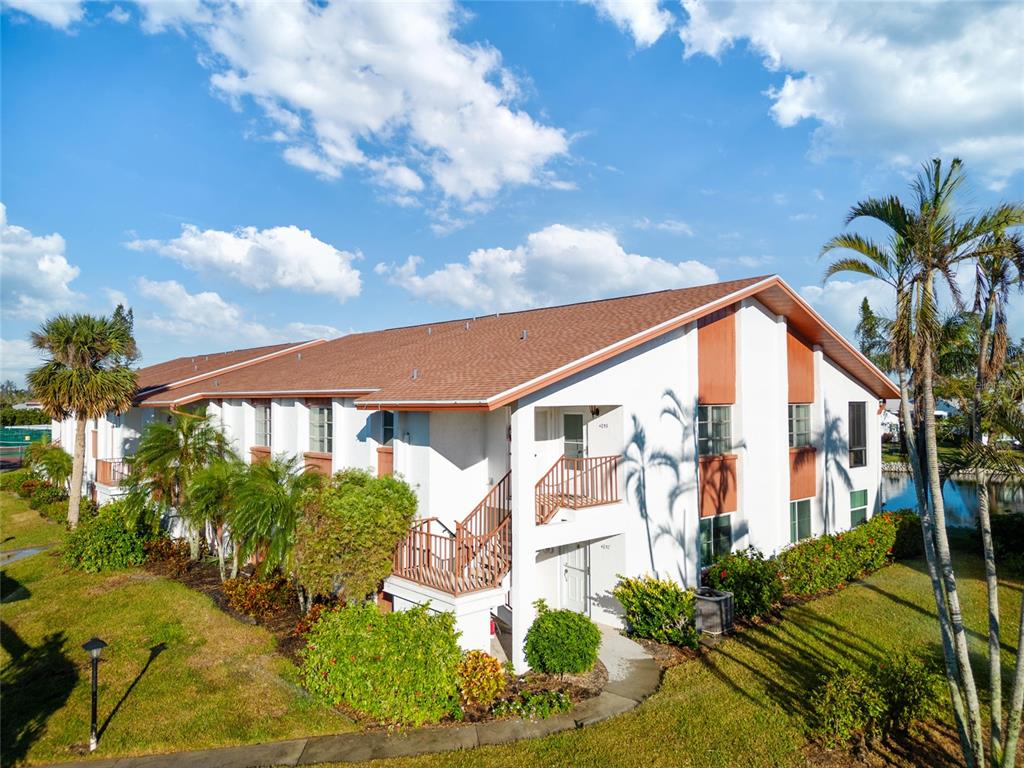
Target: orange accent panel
column 385, row 461
column 800, row 363
column 95, row 441
column 385, row 602
column 803, row 473
column 716, row 358
column 717, row 485
column 318, row 462
column 259, row 454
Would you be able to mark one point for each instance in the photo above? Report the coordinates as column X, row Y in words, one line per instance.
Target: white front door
column 575, row 573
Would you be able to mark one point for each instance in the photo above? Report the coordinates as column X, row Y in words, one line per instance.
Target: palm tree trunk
column 927, row 529
column 77, row 473
column 1013, row 723
column 946, row 562
column 220, row 550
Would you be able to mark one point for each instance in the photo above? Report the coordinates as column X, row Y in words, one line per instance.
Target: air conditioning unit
column 714, row 611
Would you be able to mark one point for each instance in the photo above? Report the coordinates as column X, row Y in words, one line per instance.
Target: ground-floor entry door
column 575, row 575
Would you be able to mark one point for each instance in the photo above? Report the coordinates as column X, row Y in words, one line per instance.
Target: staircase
column 476, row 556
column 576, row 483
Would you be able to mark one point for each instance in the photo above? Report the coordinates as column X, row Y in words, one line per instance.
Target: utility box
column 714, row 611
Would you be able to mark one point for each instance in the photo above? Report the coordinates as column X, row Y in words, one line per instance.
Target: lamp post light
column 94, row 647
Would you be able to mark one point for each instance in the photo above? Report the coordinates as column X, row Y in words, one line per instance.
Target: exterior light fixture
column 94, row 647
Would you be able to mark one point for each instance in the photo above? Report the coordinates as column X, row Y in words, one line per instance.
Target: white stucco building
column 553, row 449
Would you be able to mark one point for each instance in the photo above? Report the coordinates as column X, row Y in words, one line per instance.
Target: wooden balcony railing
column 111, row 472
column 577, row 483
column 475, row 557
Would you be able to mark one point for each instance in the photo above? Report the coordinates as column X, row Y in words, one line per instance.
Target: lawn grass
column 743, row 704
column 21, row 526
column 179, row 673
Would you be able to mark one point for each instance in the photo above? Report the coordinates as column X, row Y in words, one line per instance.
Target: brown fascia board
column 149, row 391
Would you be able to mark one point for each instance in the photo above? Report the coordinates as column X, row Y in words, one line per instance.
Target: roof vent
column 430, row 330
column 467, row 325
column 216, row 382
column 524, row 335
column 415, row 373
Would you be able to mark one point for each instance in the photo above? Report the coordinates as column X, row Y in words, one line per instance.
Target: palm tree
column 170, row 453
column 86, row 374
column 210, row 493
column 266, row 505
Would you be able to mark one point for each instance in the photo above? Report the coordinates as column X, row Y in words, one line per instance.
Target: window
column 715, row 538
column 263, row 429
column 387, row 428
column 858, row 507
column 799, row 520
column 714, row 429
column 321, row 429
column 572, row 431
column 858, row 435
column 799, row 425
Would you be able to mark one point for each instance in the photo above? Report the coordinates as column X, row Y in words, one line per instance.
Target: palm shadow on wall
column 832, row 441
column 36, row 682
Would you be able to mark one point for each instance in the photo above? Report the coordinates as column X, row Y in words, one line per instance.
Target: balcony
column 577, row 483
column 112, row 472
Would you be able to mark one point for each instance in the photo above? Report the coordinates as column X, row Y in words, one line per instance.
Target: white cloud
column 838, row 301
column 277, row 257
column 753, row 262
column 119, row 15
column 36, row 274
column 900, row 81
column 17, row 357
column 313, row 331
column 673, row 226
column 203, row 315
column 383, row 87
column 803, row 216
column 57, row 13
column 643, row 19
column 555, row 265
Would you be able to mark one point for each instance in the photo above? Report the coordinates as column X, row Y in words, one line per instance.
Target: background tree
column 84, row 377
column 872, row 336
column 346, row 538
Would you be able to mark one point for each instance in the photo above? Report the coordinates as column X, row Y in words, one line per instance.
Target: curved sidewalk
column 632, row 676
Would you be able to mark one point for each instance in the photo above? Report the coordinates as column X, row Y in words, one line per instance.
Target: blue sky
column 245, row 174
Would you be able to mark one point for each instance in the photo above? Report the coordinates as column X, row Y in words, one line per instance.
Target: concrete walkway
column 632, row 677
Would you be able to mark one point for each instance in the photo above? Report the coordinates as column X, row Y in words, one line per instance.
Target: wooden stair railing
column 576, row 483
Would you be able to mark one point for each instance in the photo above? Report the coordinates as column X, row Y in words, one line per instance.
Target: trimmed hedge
column 561, row 641
column 829, row 562
column 46, row 494
column 753, row 579
column 658, row 609
column 399, row 668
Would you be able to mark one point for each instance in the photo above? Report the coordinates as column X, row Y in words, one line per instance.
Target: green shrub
column 753, row 579
column 481, row 679
column 12, row 480
column 28, row 487
column 45, row 494
column 255, row 597
column 828, row 562
column 399, row 668
column 658, row 609
column 533, row 705
column 844, row 704
column 111, row 539
column 561, row 641
column 909, row 539
column 887, row 699
column 55, row 511
column 22, row 417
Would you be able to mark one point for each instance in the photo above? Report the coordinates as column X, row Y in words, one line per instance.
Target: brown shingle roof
column 483, row 361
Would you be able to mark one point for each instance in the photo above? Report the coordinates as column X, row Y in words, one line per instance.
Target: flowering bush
column 481, row 679
column 561, row 641
column 658, row 609
column 753, row 579
column 310, row 617
column 400, row 668
column 28, row 487
column 256, row 597
column 533, row 705
column 172, row 554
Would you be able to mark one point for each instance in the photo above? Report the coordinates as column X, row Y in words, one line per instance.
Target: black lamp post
column 94, row 647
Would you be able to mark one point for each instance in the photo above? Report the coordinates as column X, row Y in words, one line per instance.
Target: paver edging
column 373, row 745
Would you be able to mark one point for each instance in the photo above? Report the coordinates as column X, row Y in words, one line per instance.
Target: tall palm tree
column 170, row 452
column 86, row 374
column 211, row 492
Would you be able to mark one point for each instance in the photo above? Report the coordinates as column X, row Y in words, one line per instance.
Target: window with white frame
column 858, row 434
column 858, row 507
column 715, row 538
column 799, row 520
column 263, row 424
column 321, row 428
column 714, row 429
column 799, row 425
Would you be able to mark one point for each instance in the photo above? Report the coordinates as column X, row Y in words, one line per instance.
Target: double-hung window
column 858, row 507
column 263, row 425
column 715, row 538
column 799, row 520
column 858, row 435
column 321, row 428
column 799, row 425
column 714, row 429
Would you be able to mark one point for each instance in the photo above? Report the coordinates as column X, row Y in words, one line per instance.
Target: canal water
column 959, row 496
